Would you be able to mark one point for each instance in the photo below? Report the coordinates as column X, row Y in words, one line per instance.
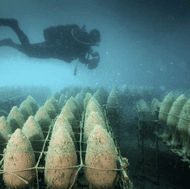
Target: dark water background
column 144, row 42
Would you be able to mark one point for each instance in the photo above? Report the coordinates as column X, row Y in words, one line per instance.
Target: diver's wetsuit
column 60, row 43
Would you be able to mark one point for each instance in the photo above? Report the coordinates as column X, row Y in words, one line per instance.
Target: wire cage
column 77, row 179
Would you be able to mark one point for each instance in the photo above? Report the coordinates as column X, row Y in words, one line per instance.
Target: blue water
column 144, row 43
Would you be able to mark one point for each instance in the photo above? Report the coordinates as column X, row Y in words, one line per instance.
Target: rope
column 175, row 115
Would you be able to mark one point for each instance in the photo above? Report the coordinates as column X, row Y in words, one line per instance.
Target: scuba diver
column 64, row 42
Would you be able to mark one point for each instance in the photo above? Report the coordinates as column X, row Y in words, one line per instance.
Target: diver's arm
column 93, row 63
column 91, row 59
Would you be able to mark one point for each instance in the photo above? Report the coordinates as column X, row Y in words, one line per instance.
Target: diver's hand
column 95, row 55
column 93, row 62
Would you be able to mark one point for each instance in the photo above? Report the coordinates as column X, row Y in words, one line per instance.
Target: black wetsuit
column 66, row 43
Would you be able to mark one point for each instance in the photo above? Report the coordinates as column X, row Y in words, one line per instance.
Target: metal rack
column 148, row 128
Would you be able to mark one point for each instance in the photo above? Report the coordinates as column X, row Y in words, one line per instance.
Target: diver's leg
column 13, row 23
column 8, row 42
column 33, row 50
